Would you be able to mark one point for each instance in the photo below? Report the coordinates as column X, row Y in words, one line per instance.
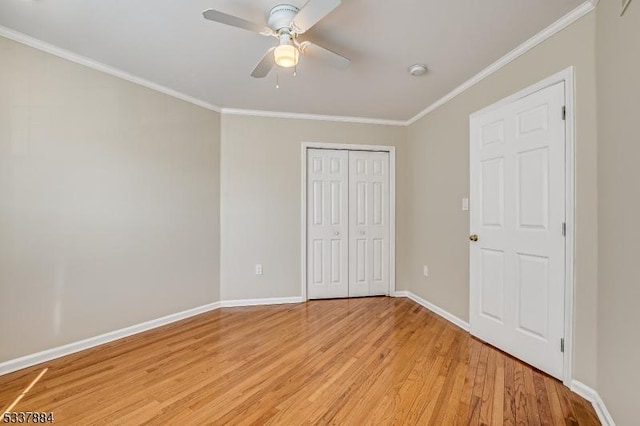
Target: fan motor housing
column 281, row 16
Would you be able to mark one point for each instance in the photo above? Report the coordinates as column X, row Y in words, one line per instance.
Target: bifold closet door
column 347, row 223
column 327, row 223
column 368, row 223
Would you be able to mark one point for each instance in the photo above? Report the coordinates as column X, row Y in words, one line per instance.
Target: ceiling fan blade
column 234, row 21
column 325, row 55
column 264, row 66
column 312, row 12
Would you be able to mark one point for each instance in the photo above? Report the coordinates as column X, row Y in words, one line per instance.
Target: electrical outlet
column 258, row 268
column 465, row 204
column 425, row 270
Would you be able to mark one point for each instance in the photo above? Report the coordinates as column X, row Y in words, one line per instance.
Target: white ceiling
column 169, row 43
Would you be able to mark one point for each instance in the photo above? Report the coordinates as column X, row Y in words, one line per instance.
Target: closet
column 347, row 223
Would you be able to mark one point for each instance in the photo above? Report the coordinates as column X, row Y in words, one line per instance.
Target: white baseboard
column 577, row 387
column 71, row 348
column 598, row 404
column 435, row 309
column 68, row 349
column 30, row 360
column 257, row 302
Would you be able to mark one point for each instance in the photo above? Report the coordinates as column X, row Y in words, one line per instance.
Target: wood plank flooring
column 351, row 361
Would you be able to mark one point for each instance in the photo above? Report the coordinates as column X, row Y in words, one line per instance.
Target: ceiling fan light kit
column 286, row 54
column 286, row 22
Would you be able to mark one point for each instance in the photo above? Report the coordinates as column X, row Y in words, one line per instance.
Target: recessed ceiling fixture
column 417, row 69
column 286, row 22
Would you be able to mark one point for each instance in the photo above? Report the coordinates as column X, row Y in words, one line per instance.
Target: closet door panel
column 368, row 223
column 327, row 223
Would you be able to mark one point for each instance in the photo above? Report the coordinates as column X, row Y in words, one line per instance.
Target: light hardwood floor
column 350, row 361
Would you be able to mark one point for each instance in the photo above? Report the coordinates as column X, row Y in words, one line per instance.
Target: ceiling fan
column 286, row 22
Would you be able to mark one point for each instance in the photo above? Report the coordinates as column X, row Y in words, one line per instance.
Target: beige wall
column 113, row 195
column 109, row 206
column 261, row 196
column 618, row 52
column 437, row 178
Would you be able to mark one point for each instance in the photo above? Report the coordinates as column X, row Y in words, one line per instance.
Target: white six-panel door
column 327, row 223
column 368, row 223
column 517, row 264
column 347, row 223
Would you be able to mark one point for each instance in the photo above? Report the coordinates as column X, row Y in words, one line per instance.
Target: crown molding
column 83, row 60
column 98, row 66
column 543, row 35
column 299, row 116
column 537, row 39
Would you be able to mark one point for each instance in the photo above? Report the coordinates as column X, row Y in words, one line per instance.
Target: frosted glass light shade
column 286, row 55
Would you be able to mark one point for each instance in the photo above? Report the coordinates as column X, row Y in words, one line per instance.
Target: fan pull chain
column 295, row 70
column 277, row 80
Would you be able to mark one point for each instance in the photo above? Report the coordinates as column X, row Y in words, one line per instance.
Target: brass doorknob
column 473, row 237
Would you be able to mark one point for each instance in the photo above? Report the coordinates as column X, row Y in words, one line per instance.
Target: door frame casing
column 568, row 78
column 392, row 205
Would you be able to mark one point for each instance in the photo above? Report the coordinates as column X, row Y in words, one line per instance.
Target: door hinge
column 564, row 229
column 564, row 112
column 562, row 345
